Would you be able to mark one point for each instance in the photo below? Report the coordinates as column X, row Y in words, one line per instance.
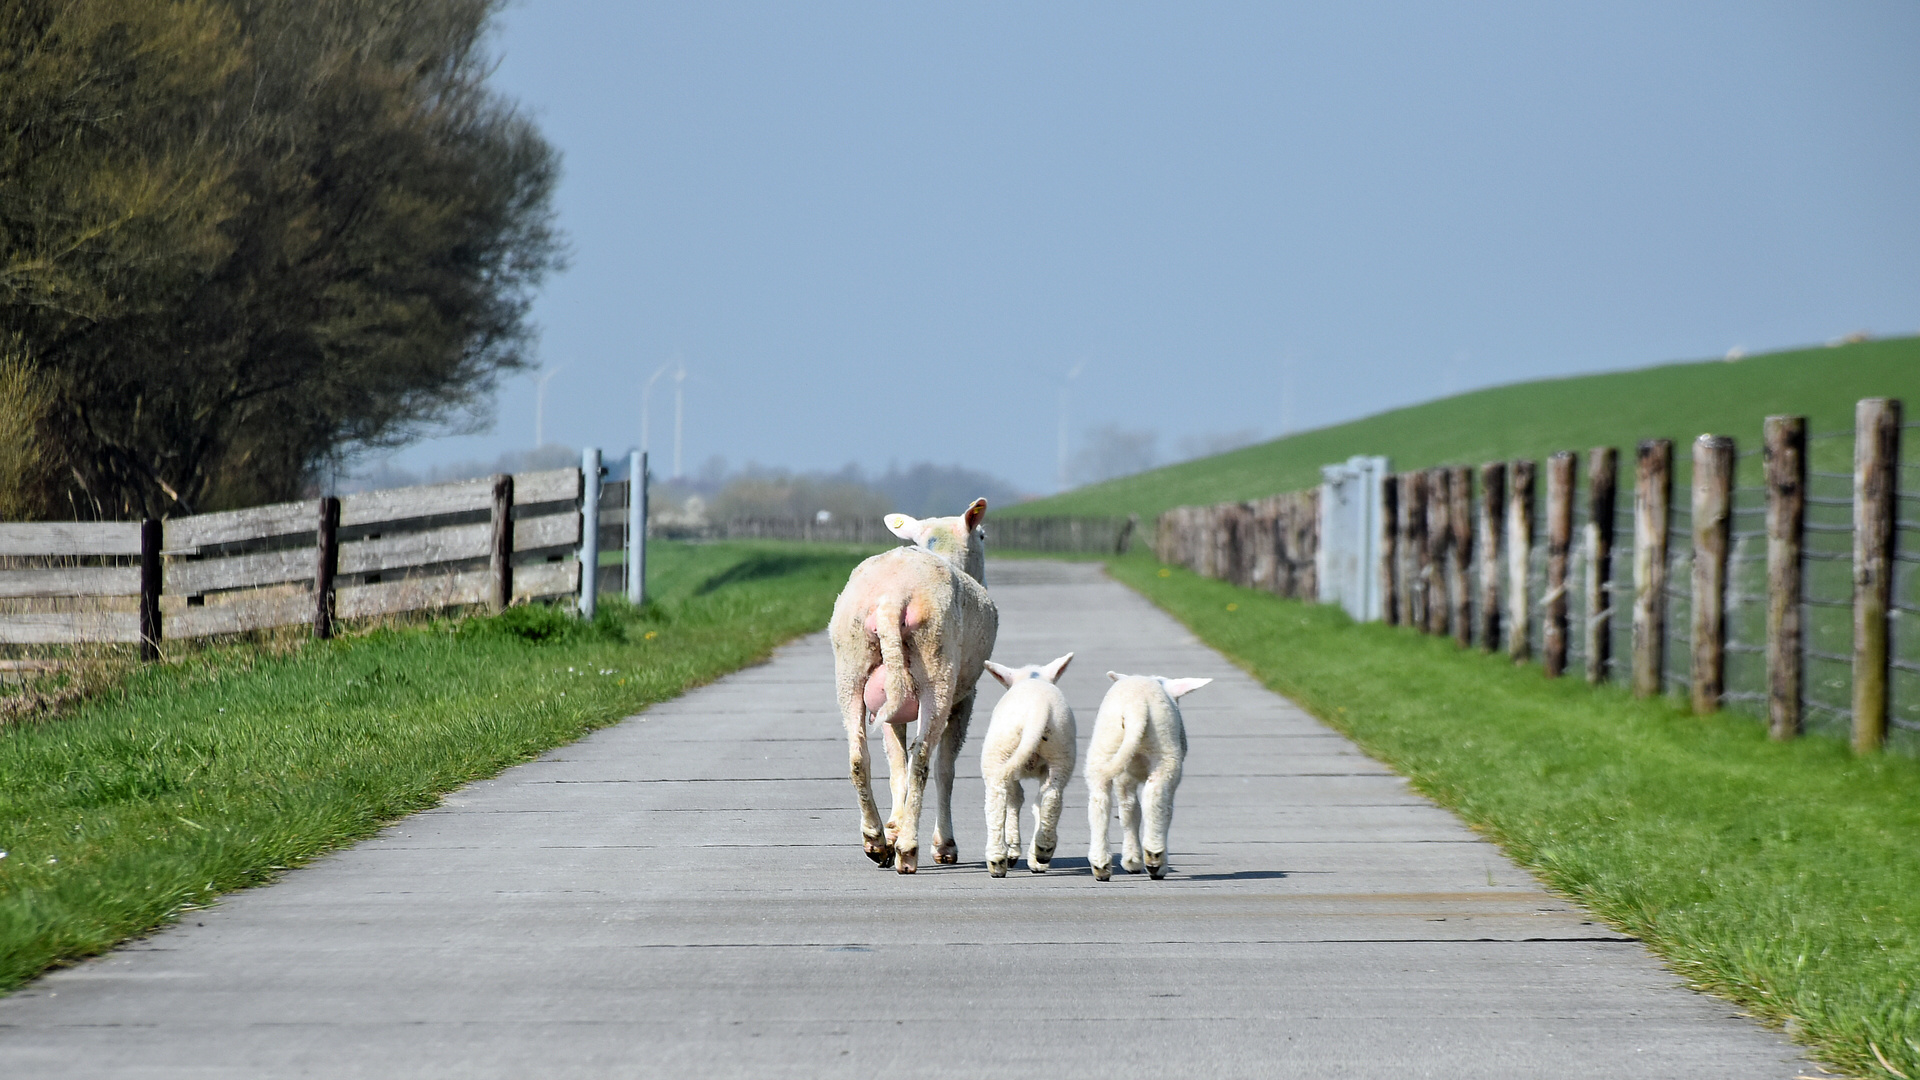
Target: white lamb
column 1031, row 736
column 1139, row 744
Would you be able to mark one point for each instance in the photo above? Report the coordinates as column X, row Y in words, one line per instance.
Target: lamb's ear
column 975, row 512
column 1179, row 688
column 1004, row 674
column 904, row 527
column 1115, row 676
column 1053, row 671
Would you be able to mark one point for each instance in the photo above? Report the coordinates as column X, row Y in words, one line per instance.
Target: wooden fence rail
column 1434, row 523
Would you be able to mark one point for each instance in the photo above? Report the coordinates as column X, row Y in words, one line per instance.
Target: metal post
column 589, row 529
column 637, row 527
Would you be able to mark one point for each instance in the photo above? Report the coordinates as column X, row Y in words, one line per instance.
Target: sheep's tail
column 1030, row 738
column 1133, row 731
column 887, row 615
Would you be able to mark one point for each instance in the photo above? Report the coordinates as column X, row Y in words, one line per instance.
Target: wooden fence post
column 150, row 586
column 1559, row 549
column 1602, row 470
column 1413, row 547
column 1439, row 532
column 1493, row 509
column 1652, row 516
column 1786, row 460
column 326, row 563
column 1876, row 462
column 1389, row 555
column 1519, row 558
column 1460, row 557
column 500, row 546
column 1712, row 527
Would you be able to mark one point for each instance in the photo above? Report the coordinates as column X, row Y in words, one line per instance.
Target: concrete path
column 684, row 896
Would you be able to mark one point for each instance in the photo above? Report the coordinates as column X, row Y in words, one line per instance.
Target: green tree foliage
column 242, row 238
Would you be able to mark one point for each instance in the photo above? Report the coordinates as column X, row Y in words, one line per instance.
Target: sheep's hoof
column 1157, row 864
column 997, row 867
column 909, row 860
column 1037, row 867
column 879, row 851
column 1038, row 858
column 946, row 851
column 1131, row 864
column 1103, row 873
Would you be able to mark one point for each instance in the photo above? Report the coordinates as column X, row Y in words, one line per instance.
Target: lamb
column 1138, row 747
column 1032, row 736
column 911, row 633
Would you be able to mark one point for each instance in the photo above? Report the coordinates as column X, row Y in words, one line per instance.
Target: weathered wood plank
column 1876, row 465
column 183, row 534
column 1602, row 466
column 547, row 530
column 1439, row 536
column 238, row 571
column 1786, row 463
column 70, row 538
column 1413, row 544
column 70, row 627
column 1559, row 551
column 1460, row 553
column 326, row 566
column 1493, row 523
column 541, row 580
column 400, row 550
column 70, row 581
column 1389, row 550
column 1519, row 558
column 151, row 536
column 1652, row 515
column 500, row 545
column 551, row 485
column 1713, row 460
column 254, row 611
column 423, row 593
column 426, row 500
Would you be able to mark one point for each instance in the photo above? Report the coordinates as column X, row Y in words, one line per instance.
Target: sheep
column 1138, row 747
column 911, row 633
column 1031, row 735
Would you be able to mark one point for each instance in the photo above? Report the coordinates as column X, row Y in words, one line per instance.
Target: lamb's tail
column 888, row 613
column 1030, row 738
column 1133, row 731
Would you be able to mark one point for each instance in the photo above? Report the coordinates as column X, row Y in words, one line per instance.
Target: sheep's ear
column 1052, row 671
column 1004, row 674
column 1179, row 688
column 904, row 527
column 975, row 512
column 1115, row 676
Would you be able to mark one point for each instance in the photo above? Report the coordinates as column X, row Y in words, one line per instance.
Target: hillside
column 1534, row 419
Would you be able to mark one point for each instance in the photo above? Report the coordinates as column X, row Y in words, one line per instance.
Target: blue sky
column 882, row 233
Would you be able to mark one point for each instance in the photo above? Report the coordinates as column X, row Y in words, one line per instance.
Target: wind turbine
column 646, row 405
column 1071, row 375
column 540, row 405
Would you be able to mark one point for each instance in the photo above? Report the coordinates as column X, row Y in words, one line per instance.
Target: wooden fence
column 1271, row 543
column 1089, row 535
column 488, row 541
column 1774, row 585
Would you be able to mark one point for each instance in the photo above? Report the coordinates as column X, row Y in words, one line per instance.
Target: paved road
column 683, row 895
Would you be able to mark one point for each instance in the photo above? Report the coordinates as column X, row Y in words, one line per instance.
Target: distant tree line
column 242, row 238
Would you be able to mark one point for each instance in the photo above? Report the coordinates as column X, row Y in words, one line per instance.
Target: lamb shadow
column 1237, row 875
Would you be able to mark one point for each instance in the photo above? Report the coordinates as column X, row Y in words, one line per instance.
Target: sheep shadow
column 757, row 568
column 1077, row 865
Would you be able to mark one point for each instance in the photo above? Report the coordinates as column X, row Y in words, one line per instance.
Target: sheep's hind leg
column 1158, row 798
column 1099, row 817
column 894, row 738
column 996, row 826
column 1016, row 797
column 1046, row 821
column 945, row 849
column 1131, row 859
column 872, row 835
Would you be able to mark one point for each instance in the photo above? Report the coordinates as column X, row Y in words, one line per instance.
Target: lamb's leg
column 1046, row 819
column 1158, row 797
column 1016, row 798
column 1130, row 857
column 872, row 836
column 945, row 849
column 996, row 824
column 1099, row 816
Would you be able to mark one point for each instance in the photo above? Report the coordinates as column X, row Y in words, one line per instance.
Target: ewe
column 1138, row 746
column 910, row 634
column 1031, row 736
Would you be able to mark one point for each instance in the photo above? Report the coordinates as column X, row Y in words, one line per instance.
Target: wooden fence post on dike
column 151, row 584
column 1876, row 459
column 1460, row 553
column 1439, row 533
column 1713, row 460
column 500, row 544
column 1786, row 462
column 1652, row 516
column 1559, row 549
column 1493, row 508
column 1389, row 550
column 1413, row 547
column 326, row 564
column 1602, row 469
column 1519, row 558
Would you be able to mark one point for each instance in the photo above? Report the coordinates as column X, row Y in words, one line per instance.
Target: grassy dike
column 220, row 771
column 1785, row 877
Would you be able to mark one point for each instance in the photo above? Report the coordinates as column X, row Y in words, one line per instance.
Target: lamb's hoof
column 1037, row 867
column 1130, row 864
column 879, row 852
column 946, row 851
column 1156, row 864
column 997, row 867
column 1103, row 873
column 1038, row 858
column 909, row 860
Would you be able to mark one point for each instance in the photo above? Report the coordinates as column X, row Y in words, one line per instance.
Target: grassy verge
column 220, row 771
column 1781, row 876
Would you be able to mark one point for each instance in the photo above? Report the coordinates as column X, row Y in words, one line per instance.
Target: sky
column 892, row 233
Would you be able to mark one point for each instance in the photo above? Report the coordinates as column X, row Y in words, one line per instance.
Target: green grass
column 219, row 771
column 1783, row 876
column 1534, row 419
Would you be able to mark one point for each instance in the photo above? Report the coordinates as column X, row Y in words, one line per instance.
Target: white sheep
column 910, row 633
column 1138, row 747
column 1031, row 736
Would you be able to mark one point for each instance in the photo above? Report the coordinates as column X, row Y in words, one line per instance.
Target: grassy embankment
column 219, row 771
column 1534, row 419
column 1779, row 875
